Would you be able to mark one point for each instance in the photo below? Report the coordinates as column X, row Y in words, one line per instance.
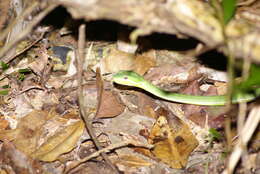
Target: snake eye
column 125, row 78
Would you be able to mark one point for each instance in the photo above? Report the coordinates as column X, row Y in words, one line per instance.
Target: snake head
column 128, row 78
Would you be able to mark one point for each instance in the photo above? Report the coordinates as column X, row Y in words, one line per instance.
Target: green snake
column 130, row 78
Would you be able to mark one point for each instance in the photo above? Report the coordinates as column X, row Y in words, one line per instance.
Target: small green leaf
column 252, row 82
column 24, row 71
column 3, row 65
column 21, row 77
column 215, row 135
column 4, row 92
column 229, row 8
column 5, row 86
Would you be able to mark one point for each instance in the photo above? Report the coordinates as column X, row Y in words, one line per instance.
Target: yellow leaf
column 62, row 142
column 132, row 161
column 172, row 145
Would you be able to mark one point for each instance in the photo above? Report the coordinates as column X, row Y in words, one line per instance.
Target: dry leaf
column 62, row 142
column 25, row 137
column 221, row 88
column 110, row 106
column 172, row 146
column 3, row 123
column 44, row 135
column 199, row 114
column 145, row 104
column 143, row 64
column 143, row 151
column 117, row 60
column 180, row 72
column 18, row 161
column 132, row 161
column 41, row 62
column 93, row 168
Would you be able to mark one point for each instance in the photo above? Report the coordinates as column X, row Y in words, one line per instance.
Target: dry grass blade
column 246, row 133
column 100, row 89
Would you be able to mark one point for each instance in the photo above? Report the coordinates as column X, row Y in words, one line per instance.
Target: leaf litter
column 40, row 124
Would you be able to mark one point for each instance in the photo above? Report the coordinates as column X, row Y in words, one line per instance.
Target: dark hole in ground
column 214, row 59
column 56, row 18
column 105, row 30
column 160, row 41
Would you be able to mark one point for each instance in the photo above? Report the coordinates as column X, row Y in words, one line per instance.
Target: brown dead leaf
column 173, row 73
column 104, row 106
column 25, row 136
column 150, row 53
column 140, row 103
column 3, row 123
column 132, row 161
column 61, row 142
column 199, row 114
column 196, row 114
column 172, row 146
column 146, row 105
column 143, row 64
column 110, row 105
column 143, row 151
column 44, row 135
column 93, row 168
column 18, row 161
column 192, row 88
column 117, row 60
column 41, row 62
column 56, row 82
column 221, row 88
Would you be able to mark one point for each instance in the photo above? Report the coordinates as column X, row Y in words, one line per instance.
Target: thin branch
column 106, row 150
column 25, row 49
column 84, row 114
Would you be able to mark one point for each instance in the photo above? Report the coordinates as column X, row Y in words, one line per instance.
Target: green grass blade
column 229, row 8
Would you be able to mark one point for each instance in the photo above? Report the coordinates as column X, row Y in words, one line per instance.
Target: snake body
column 130, row 78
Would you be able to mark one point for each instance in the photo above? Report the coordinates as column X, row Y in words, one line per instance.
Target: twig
column 25, row 49
column 26, row 31
column 242, row 108
column 246, row 133
column 30, row 88
column 84, row 114
column 105, row 150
